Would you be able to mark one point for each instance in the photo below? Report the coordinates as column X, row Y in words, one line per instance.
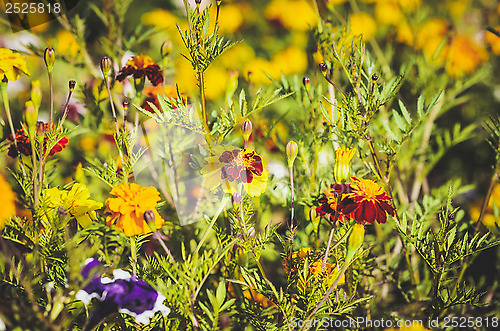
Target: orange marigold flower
column 367, row 202
column 24, row 145
column 140, row 66
column 129, row 207
column 232, row 166
column 8, row 202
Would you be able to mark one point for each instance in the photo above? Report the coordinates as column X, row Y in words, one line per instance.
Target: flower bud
column 106, row 64
column 79, row 174
column 166, row 48
column 36, row 93
column 49, row 56
column 355, row 240
column 342, row 168
column 292, row 149
column 40, row 131
column 149, row 217
column 198, row 2
column 237, row 198
column 246, row 128
column 71, row 85
column 323, row 67
column 306, row 81
column 374, row 77
column 31, row 114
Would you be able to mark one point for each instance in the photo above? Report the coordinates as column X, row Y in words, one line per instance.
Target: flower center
column 368, row 189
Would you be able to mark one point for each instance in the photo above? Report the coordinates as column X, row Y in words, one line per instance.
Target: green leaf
column 405, row 112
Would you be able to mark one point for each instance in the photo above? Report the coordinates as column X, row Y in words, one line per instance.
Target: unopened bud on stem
column 31, row 118
column 292, row 149
column 71, row 85
column 246, row 128
column 166, row 48
column 106, row 64
column 49, row 56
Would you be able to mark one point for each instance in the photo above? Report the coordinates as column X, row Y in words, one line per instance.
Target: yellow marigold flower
column 287, row 12
column 259, row 67
column 11, row 65
column 291, row 60
column 464, row 56
column 216, row 81
column 75, row 201
column 489, row 218
column 431, row 35
column 494, row 41
column 8, row 202
column 404, row 34
column 343, row 157
column 388, row 12
column 160, row 18
column 231, row 166
column 230, row 18
column 237, row 56
column 66, row 44
column 362, row 24
column 457, row 7
column 129, row 206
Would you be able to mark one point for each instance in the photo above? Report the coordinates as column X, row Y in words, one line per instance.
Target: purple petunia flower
column 124, row 293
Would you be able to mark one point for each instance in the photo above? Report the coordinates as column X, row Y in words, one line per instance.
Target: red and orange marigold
column 141, row 66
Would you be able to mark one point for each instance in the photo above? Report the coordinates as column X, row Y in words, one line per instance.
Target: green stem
column 223, row 203
column 133, row 254
column 5, row 97
column 51, row 98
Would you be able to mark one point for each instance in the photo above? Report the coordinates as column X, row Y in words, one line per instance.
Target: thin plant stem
column 292, row 225
column 65, row 111
column 133, row 254
column 164, row 246
column 51, row 86
column 5, row 97
column 125, row 177
column 223, row 203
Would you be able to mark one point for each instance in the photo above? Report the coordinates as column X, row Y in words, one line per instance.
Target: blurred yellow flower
column 184, row 75
column 408, row 328
column 66, row 44
column 129, row 206
column 237, row 56
column 457, row 7
column 259, row 67
column 464, row 55
column 388, row 12
column 160, row 18
column 409, row 5
column 75, row 201
column 230, row 18
column 291, row 60
column 216, row 79
column 489, row 218
column 11, row 65
column 8, row 202
column 494, row 41
column 430, row 36
column 288, row 13
column 404, row 34
column 362, row 24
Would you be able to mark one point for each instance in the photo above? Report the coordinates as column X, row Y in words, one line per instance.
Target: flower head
column 231, row 166
column 76, row 201
column 123, row 293
column 8, row 201
column 367, row 202
column 328, row 202
column 11, row 65
column 24, row 145
column 343, row 157
column 140, row 66
column 129, row 206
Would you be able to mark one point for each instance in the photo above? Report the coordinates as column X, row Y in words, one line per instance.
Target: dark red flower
column 328, row 202
column 141, row 66
column 367, row 202
column 24, row 145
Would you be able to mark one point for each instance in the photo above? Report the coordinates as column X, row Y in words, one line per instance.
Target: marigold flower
column 464, row 56
column 343, row 157
column 328, row 202
column 152, row 93
column 367, row 202
column 75, row 201
column 129, row 207
column 8, row 201
column 24, row 145
column 11, row 65
column 232, row 166
column 141, row 66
